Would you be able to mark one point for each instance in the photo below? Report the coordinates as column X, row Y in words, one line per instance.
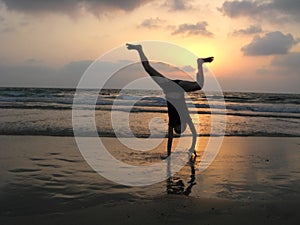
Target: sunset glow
column 253, row 52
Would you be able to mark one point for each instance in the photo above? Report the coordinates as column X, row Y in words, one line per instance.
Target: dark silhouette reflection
column 175, row 185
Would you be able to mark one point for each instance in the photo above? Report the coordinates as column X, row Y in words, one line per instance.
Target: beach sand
column 171, row 210
column 44, row 180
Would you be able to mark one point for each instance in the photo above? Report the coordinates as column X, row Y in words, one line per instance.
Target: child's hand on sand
column 133, row 47
column 192, row 153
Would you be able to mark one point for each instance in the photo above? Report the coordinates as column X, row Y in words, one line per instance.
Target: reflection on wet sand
column 176, row 185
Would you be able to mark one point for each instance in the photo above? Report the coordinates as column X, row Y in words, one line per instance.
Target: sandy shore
column 172, row 210
column 252, row 181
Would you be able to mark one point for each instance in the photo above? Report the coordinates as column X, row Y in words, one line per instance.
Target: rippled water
column 36, row 111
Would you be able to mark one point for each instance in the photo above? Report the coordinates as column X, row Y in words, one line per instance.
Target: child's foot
column 131, row 46
column 205, row 60
column 209, row 59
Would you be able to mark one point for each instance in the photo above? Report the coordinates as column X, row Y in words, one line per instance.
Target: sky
column 50, row 43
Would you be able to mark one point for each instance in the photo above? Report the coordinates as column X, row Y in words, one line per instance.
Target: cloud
column 241, row 8
column 32, row 6
column 193, row 29
column 177, row 5
column 152, row 23
column 285, row 73
column 268, row 82
column 273, row 10
column 33, row 61
column 287, row 6
column 248, row 31
column 27, row 75
column 72, row 6
column 76, row 67
column 272, row 43
column 34, row 74
column 38, row 75
column 290, row 61
column 8, row 29
column 189, row 69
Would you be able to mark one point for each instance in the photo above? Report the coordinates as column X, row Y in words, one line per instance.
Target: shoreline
column 109, row 135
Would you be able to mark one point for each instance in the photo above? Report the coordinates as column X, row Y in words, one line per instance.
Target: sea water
column 38, row 111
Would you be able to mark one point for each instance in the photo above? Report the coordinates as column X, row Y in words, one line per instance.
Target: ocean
column 47, row 111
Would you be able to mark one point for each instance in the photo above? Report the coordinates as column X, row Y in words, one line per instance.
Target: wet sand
column 171, row 210
column 44, row 180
